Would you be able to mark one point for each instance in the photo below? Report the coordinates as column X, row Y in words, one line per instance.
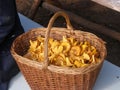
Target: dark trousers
column 10, row 28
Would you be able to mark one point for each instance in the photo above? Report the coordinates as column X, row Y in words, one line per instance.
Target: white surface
column 18, row 83
column 27, row 23
column 113, row 4
column 108, row 79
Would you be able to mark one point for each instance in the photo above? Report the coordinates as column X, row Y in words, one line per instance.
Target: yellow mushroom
column 75, row 50
column 64, row 39
column 60, row 61
column 33, row 45
column 86, row 56
column 77, row 64
column 68, row 63
column 71, row 40
column 93, row 59
column 40, row 57
column 57, row 50
column 83, row 48
column 40, row 39
column 50, row 41
column 66, row 46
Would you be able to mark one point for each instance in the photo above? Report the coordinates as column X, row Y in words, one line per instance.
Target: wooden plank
column 28, row 7
column 84, row 22
column 34, row 8
column 113, row 4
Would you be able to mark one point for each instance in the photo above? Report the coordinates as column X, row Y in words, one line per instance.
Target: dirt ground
column 94, row 13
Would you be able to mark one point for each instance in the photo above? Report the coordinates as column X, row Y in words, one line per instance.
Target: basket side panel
column 38, row 79
column 46, row 80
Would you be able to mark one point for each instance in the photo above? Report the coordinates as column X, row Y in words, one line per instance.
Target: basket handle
column 54, row 17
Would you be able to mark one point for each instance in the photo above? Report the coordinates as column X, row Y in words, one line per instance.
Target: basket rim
column 53, row 68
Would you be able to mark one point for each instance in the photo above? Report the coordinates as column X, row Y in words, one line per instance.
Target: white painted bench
column 108, row 79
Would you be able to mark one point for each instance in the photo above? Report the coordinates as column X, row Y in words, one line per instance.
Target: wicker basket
column 43, row 76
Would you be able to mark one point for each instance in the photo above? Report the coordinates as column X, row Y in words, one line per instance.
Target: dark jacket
column 10, row 28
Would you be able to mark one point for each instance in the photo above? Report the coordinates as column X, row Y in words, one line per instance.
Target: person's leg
column 4, row 86
column 10, row 28
column 9, row 21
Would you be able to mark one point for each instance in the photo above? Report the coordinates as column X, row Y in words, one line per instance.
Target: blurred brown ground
column 88, row 10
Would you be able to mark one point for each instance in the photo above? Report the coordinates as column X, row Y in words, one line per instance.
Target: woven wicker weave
column 43, row 76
